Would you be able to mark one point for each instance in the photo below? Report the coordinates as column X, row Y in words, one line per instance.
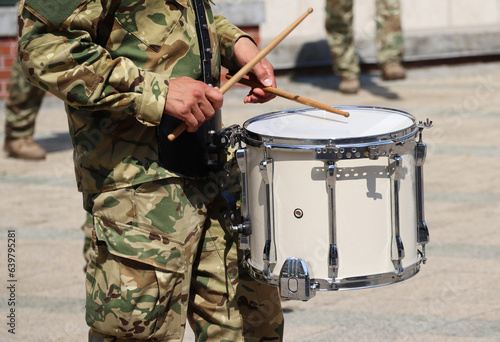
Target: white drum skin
column 363, row 193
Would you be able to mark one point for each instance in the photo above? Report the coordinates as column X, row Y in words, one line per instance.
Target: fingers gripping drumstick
column 247, row 67
column 290, row 96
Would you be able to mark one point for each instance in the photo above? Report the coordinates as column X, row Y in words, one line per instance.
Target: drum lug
column 420, row 154
column 269, row 253
column 241, row 158
column 397, row 251
column 244, row 229
column 295, row 282
column 373, row 152
column 331, row 176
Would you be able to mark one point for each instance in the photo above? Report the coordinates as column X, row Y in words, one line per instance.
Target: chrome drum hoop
column 351, row 283
column 387, row 139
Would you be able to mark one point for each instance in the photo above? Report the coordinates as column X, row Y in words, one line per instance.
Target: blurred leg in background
column 21, row 109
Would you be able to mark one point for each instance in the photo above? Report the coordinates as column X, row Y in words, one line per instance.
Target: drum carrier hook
column 239, row 219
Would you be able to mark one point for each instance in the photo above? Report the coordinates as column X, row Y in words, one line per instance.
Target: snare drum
column 332, row 203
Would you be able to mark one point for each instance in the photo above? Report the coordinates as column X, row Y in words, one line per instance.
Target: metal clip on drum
column 334, row 203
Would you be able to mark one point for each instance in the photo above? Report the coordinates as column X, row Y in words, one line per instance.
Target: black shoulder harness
column 189, row 154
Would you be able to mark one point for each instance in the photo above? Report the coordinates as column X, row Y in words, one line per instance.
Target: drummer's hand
column 244, row 51
column 192, row 101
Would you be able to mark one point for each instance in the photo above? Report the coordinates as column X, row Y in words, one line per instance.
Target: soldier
column 161, row 251
column 389, row 42
column 21, row 108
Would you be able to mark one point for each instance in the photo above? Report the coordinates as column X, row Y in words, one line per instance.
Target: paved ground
column 455, row 297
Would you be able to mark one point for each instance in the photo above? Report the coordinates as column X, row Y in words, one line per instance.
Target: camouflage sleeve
column 228, row 34
column 66, row 61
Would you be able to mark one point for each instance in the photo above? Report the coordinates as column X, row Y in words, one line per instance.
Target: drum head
column 310, row 125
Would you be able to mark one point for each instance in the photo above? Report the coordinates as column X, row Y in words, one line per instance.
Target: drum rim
column 256, row 139
column 348, row 283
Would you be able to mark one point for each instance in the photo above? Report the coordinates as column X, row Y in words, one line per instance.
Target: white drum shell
column 363, row 212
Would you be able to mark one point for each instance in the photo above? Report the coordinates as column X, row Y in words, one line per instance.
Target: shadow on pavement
column 55, row 143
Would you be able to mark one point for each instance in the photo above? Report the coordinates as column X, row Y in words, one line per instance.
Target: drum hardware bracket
column 244, row 228
column 295, row 282
column 233, row 215
column 389, row 149
column 397, row 252
column 373, row 152
column 422, row 125
column 223, row 138
column 218, row 147
column 236, row 136
column 331, row 152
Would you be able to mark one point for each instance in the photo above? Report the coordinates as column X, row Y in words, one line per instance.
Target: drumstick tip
column 171, row 137
column 310, row 10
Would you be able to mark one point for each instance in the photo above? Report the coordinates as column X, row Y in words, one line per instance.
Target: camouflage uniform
column 22, row 105
column 161, row 252
column 340, row 35
column 219, row 300
column 87, row 227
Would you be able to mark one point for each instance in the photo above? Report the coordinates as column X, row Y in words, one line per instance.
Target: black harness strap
column 204, row 41
column 189, row 153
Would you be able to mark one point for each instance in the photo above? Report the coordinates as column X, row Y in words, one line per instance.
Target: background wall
column 8, row 42
column 433, row 29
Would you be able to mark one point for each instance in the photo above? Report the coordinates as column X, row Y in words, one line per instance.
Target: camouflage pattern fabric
column 22, row 105
column 159, row 252
column 163, row 254
column 340, row 35
column 87, row 227
column 111, row 61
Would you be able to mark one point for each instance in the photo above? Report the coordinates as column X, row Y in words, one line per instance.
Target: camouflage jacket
column 110, row 61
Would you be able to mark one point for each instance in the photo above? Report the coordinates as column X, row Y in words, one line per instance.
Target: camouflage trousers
column 162, row 254
column 340, row 34
column 22, row 105
column 87, row 227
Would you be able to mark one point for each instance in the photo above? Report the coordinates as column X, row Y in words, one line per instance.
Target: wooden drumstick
column 247, row 67
column 290, row 96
